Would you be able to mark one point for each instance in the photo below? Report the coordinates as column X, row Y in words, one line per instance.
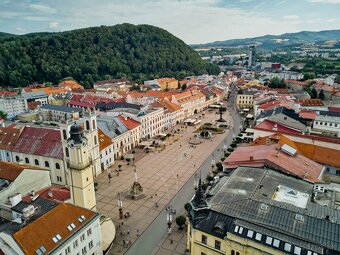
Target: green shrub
column 222, row 159
column 230, row 149
column 233, row 145
column 210, row 178
column 219, row 166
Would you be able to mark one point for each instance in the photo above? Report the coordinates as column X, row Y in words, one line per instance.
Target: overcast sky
column 193, row 21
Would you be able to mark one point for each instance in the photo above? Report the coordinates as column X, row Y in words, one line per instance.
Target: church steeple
column 199, row 200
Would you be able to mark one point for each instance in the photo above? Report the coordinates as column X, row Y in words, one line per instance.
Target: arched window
column 95, row 140
column 87, row 125
column 232, row 252
column 93, row 124
column 27, row 161
column 36, row 162
column 17, row 158
column 57, row 166
column 66, row 152
column 64, row 134
column 237, row 253
column 47, row 164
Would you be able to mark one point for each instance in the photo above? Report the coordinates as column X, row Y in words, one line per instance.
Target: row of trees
column 314, row 93
column 88, row 55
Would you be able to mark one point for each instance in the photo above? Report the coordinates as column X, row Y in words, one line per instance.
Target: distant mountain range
column 277, row 41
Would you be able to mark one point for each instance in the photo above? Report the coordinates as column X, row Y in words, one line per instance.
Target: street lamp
column 169, row 218
column 120, row 205
column 196, row 181
column 135, row 171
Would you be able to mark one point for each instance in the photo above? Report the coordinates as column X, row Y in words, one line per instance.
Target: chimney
column 251, row 158
column 50, row 193
column 277, row 154
column 20, row 162
column 15, row 199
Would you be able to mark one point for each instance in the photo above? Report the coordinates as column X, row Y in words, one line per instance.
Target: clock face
column 84, row 143
column 71, row 144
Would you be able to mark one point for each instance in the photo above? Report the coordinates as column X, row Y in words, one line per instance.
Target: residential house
column 327, row 123
column 192, row 101
column 13, row 105
column 168, row 83
column 58, row 113
column 106, row 151
column 8, row 138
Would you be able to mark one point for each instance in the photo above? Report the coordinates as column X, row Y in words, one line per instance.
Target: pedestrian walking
column 129, row 242
column 137, row 232
column 122, row 223
column 124, row 232
column 109, row 177
column 128, row 231
column 121, row 234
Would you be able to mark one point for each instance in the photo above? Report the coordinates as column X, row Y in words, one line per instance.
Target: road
column 147, row 242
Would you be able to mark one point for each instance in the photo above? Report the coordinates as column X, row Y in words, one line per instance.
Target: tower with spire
column 80, row 167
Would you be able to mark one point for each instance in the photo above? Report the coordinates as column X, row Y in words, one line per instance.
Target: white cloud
column 53, row 25
column 35, row 18
column 325, row 1
column 42, row 8
column 291, row 17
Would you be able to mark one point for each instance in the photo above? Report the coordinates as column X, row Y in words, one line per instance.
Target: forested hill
column 91, row 54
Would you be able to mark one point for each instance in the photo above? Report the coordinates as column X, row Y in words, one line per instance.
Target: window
column 258, row 236
column 202, row 253
column 276, row 243
column 36, row 162
column 232, row 252
column 240, row 231
column 59, row 179
column 250, row 233
column 237, row 253
column 93, row 124
column 47, row 164
column 204, row 239
column 269, row 240
column 309, row 253
column 297, row 250
column 57, row 166
column 27, row 161
column 17, row 158
column 89, row 232
column 217, row 245
column 84, row 250
column 82, row 237
column 75, row 244
column 90, row 244
column 95, row 140
column 87, row 125
column 68, row 250
column 64, row 134
column 67, row 154
column 337, row 172
column 288, row 247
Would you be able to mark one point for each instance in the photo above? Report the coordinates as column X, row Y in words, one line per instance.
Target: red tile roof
column 51, row 193
column 334, row 109
column 7, row 93
column 311, row 115
column 128, row 122
column 8, row 137
column 269, row 125
column 273, row 157
column 49, row 225
column 273, row 104
column 300, row 83
column 40, row 141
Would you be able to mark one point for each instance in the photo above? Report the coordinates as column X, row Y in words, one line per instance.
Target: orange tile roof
column 170, row 106
column 128, row 122
column 307, row 114
column 317, row 153
column 70, row 84
column 41, row 231
column 50, row 90
column 310, row 102
column 300, row 83
column 104, row 140
column 188, row 95
column 8, row 137
column 10, row 171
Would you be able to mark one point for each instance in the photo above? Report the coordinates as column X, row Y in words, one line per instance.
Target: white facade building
column 13, row 105
column 328, row 123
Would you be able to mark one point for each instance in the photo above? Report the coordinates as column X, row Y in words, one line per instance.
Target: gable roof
column 128, row 122
column 49, row 225
column 40, row 142
column 10, row 171
column 104, row 140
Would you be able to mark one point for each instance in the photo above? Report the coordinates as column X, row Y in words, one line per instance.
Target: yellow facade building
column 260, row 211
column 168, row 83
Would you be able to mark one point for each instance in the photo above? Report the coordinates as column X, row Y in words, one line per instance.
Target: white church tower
column 80, row 169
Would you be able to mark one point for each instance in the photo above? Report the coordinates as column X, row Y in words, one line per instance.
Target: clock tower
column 80, row 169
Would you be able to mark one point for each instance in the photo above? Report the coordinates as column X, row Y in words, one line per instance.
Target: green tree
column 183, row 87
column 322, row 95
column 314, row 93
column 219, row 166
column 180, row 221
column 3, row 115
column 337, row 79
column 276, row 83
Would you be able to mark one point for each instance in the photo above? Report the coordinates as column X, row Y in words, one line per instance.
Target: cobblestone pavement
column 161, row 174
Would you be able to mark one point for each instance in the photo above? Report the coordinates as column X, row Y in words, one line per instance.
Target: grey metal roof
column 61, row 108
column 247, row 189
column 34, row 95
column 111, row 126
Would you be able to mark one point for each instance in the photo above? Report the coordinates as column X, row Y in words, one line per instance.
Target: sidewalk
column 161, row 174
